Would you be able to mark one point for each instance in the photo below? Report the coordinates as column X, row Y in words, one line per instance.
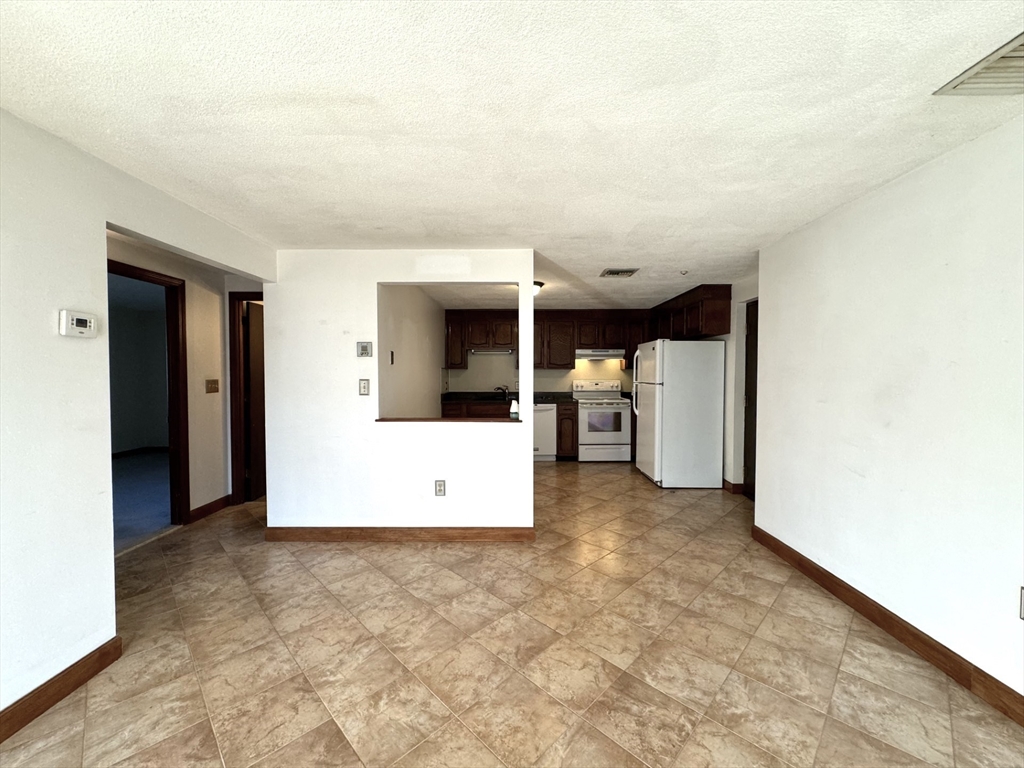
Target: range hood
column 600, row 354
column 491, row 351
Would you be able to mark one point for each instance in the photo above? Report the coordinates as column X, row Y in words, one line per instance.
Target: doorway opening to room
column 248, row 401
column 148, row 402
column 750, row 403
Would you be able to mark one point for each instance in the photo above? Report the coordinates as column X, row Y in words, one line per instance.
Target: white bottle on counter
column 513, row 411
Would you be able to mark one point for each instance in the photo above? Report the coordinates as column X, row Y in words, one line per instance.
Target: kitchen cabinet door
column 452, row 410
column 613, row 335
column 568, row 430
column 478, row 333
column 503, row 333
column 561, row 344
column 636, row 334
column 664, row 326
column 588, row 334
column 455, row 341
column 488, row 410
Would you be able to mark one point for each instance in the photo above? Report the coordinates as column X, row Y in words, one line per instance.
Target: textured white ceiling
column 667, row 136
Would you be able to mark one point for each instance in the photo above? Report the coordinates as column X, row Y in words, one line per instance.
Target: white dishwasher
column 545, row 420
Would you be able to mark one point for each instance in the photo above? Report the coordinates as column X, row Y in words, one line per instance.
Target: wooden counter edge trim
column 30, row 706
column 455, row 418
column 400, row 534
column 976, row 680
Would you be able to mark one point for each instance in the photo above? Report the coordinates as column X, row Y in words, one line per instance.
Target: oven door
column 604, row 424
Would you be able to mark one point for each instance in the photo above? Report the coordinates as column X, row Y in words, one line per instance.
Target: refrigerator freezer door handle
column 636, row 395
column 636, row 364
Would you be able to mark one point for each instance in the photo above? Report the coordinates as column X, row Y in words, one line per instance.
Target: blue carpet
column 142, row 497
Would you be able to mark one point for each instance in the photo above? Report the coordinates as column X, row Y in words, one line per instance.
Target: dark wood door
column 255, row 405
column 561, row 346
column 478, row 333
column 538, row 344
column 503, row 333
column 455, row 342
column 750, row 403
column 588, row 334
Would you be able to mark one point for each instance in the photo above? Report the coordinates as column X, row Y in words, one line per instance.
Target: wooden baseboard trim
column 976, row 680
column 30, row 706
column 209, row 508
column 736, row 488
column 400, row 534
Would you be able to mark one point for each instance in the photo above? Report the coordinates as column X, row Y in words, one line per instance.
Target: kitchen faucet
column 504, row 390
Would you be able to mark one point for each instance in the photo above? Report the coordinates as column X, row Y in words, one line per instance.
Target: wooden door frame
column 177, row 382
column 237, row 390
column 749, row 409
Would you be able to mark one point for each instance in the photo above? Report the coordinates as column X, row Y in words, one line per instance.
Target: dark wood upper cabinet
column 664, row 324
column 613, row 335
column 455, row 341
column 561, row 343
column 478, row 333
column 700, row 313
column 588, row 334
column 636, row 334
column 539, row 358
column 504, row 332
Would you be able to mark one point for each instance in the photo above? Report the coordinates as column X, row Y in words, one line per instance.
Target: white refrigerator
column 679, row 400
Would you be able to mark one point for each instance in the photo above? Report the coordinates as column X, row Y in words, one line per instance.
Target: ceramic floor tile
column 747, row 586
column 473, row 610
column 339, row 634
column 668, row 584
column 893, row 718
column 729, row 609
column 672, row 670
column 419, row 640
column 221, row 641
column 405, row 570
column 389, row 723
column 790, row 672
column 518, row 722
column 360, row 587
column 516, row 638
column 454, row 746
column 572, row 674
column 644, row 721
column 814, row 605
column 898, row 670
column 463, row 675
column 706, row 637
column 579, row 551
column 304, row 610
column 439, row 587
column 142, row 721
column 604, row 538
column 714, row 746
column 550, row 569
column 769, row 719
column 649, row 611
column 383, row 612
column 61, row 747
column 324, row 747
column 344, row 681
column 583, row 746
column 194, row 747
column 810, row 638
column 558, row 609
column 983, row 737
column 612, row 637
column 262, row 724
column 516, row 587
column 845, row 747
column 236, row 678
column 135, row 674
column 142, row 632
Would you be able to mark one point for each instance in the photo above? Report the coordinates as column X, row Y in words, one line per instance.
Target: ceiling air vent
column 1000, row 73
column 623, row 272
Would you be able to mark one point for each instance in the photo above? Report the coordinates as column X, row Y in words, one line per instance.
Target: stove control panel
column 590, row 385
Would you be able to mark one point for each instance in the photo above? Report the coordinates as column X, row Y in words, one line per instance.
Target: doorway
column 148, row 402
column 248, row 400
column 750, row 404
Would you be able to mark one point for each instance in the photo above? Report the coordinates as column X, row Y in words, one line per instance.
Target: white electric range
column 604, row 421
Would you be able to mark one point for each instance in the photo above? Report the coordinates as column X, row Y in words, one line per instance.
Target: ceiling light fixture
column 537, row 285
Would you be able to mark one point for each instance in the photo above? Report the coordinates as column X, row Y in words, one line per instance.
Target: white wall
column 891, row 398
column 138, row 378
column 56, row 538
column 743, row 292
column 411, row 325
column 206, row 357
column 329, row 463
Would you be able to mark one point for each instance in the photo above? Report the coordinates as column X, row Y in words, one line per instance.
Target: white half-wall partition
column 330, row 462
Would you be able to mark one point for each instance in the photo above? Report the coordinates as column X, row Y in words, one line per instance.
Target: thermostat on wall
column 74, row 323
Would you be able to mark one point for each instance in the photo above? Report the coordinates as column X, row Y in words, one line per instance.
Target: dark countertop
column 498, row 397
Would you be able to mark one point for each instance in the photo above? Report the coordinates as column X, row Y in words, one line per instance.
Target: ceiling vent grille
column 1001, row 73
column 621, row 272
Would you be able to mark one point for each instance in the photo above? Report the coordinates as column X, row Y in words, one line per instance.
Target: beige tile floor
column 642, row 627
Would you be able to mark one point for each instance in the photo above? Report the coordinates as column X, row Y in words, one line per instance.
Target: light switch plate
column 212, row 385
column 364, row 349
